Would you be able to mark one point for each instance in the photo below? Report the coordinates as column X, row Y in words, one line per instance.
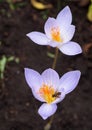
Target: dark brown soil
column 18, row 108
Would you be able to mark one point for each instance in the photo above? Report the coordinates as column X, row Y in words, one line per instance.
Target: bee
column 56, row 94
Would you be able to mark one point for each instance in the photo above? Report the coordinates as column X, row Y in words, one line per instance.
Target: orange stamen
column 46, row 92
column 55, row 33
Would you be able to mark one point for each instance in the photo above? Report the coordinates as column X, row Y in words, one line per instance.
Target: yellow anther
column 55, row 33
column 46, row 92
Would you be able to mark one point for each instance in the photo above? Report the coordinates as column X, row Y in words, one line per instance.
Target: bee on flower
column 50, row 89
column 58, row 33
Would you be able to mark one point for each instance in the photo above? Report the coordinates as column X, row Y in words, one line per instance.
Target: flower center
column 55, row 33
column 48, row 93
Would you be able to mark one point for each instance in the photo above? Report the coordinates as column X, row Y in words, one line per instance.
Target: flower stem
column 48, row 125
column 55, row 59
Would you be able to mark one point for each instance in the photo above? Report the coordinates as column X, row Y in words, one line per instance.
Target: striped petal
column 38, row 38
column 34, row 81
column 64, row 18
column 69, row 81
column 50, row 23
column 46, row 110
column 67, row 34
column 71, row 48
column 50, row 77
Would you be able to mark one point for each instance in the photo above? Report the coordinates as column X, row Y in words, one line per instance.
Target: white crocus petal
column 71, row 48
column 50, row 77
column 46, row 110
column 69, row 81
column 38, row 38
column 34, row 81
column 50, row 23
column 54, row 44
column 64, row 18
column 33, row 78
column 67, row 34
column 37, row 95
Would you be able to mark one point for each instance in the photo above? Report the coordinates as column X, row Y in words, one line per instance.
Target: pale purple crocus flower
column 50, row 89
column 58, row 33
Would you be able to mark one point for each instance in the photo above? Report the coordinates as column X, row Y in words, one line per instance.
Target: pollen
column 55, row 33
column 46, row 93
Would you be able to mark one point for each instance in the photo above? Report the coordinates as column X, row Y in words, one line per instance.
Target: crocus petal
column 71, row 48
column 67, row 34
column 37, row 95
column 64, row 18
column 50, row 77
column 38, row 38
column 46, row 110
column 54, row 44
column 33, row 78
column 34, row 81
column 69, row 81
column 50, row 23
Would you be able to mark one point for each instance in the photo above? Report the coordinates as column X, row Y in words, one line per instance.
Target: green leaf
column 17, row 60
column 51, row 55
column 3, row 62
column 11, row 58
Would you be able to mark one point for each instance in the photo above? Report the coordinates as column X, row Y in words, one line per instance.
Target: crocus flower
column 50, row 89
column 58, row 33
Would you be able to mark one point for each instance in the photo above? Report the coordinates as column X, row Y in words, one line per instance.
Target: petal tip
column 27, row 34
column 47, row 110
column 71, row 48
column 80, row 50
column 78, row 73
column 67, row 8
column 26, row 69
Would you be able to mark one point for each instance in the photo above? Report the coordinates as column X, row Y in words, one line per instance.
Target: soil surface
column 18, row 107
